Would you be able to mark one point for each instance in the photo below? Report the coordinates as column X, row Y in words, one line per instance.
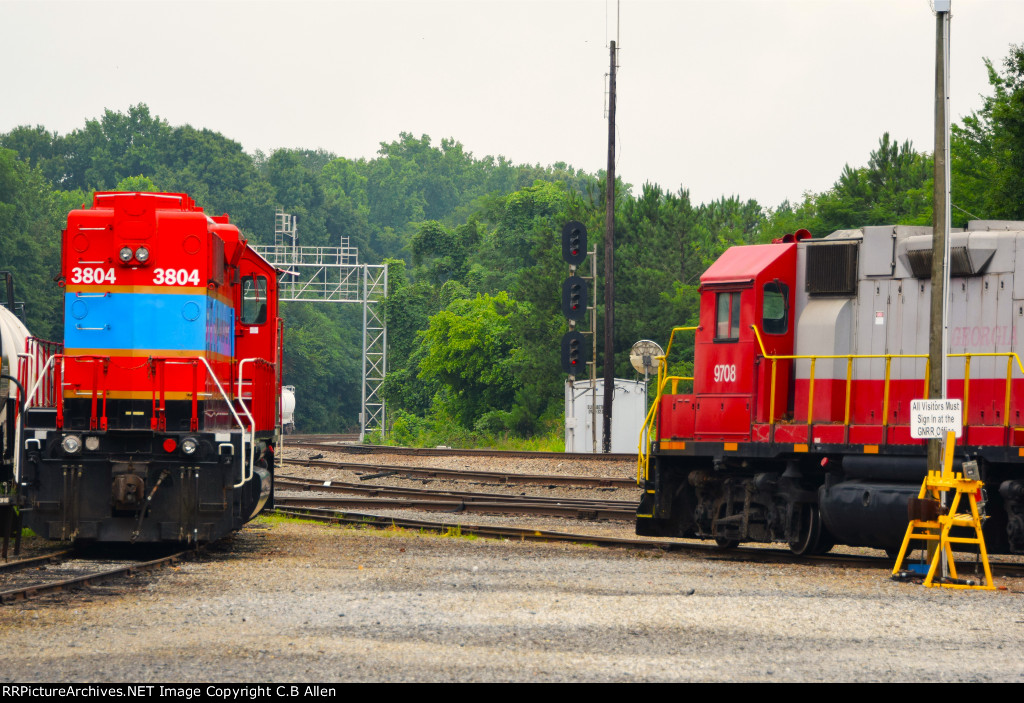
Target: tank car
column 13, row 335
column 12, row 340
column 795, row 426
column 288, row 409
column 157, row 419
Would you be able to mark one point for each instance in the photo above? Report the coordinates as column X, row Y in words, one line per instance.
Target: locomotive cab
column 747, row 303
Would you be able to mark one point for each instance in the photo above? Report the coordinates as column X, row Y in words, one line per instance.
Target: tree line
column 472, row 245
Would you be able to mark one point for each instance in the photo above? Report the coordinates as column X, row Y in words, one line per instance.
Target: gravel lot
column 286, row 601
column 289, row 602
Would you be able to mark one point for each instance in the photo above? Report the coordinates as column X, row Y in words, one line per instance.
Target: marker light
column 142, row 255
column 125, row 255
column 92, row 443
column 189, row 446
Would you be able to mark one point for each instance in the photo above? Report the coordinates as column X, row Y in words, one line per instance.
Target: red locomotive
column 807, row 356
column 158, row 419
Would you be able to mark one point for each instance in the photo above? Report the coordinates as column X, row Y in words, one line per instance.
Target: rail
column 651, row 420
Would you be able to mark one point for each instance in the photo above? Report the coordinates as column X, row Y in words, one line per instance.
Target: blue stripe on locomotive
column 149, row 321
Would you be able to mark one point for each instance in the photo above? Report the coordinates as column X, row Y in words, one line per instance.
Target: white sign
column 933, row 418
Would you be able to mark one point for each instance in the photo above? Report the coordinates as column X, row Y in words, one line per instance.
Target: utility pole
column 609, row 261
column 937, row 347
column 937, row 343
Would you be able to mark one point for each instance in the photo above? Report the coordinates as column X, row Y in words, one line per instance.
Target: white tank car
column 288, row 409
column 12, row 342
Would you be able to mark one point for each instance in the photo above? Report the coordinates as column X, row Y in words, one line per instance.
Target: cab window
column 775, row 314
column 254, row 300
column 727, row 317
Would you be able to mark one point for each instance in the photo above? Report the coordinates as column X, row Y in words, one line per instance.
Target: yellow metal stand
column 939, row 528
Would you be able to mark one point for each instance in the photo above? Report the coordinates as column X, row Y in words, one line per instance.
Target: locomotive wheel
column 814, row 538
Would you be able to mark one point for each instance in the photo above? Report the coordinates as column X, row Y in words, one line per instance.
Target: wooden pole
column 609, row 260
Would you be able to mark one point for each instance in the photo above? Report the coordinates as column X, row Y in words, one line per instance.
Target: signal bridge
column 334, row 275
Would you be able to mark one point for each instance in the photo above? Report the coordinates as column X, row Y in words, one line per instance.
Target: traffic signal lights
column 574, row 298
column 574, row 353
column 574, row 242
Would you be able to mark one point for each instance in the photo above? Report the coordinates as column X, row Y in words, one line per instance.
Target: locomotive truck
column 157, row 418
column 795, row 425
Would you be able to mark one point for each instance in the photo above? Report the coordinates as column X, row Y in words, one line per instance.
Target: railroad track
column 65, row 570
column 380, row 471
column 34, row 562
column 312, row 484
column 301, row 441
column 704, row 550
column 502, row 505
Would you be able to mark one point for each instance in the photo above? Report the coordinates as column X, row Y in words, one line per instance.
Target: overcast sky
column 763, row 99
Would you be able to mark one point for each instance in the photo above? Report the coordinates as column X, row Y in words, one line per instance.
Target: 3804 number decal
column 725, row 373
column 175, row 277
column 92, row 275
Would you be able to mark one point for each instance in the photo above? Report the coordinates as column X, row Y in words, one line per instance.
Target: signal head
column 574, row 242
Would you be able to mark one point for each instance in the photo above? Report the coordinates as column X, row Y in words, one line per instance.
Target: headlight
column 92, row 443
column 189, row 446
column 72, row 444
column 125, row 255
column 142, row 255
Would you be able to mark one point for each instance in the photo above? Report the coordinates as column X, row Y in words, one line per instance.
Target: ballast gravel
column 287, row 601
column 294, row 602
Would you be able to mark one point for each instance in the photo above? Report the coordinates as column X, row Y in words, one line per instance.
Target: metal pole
column 609, row 248
column 363, row 414
column 593, row 353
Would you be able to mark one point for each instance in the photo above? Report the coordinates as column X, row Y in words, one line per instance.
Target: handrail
column 650, row 421
column 1010, row 357
column 241, row 426
column 42, row 374
column 643, row 461
column 247, row 438
column 644, row 448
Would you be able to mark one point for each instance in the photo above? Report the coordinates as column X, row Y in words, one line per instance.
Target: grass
column 455, row 531
column 439, row 429
column 272, row 519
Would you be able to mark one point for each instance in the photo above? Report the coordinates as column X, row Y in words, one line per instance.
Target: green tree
column 31, row 219
column 469, row 350
column 988, row 149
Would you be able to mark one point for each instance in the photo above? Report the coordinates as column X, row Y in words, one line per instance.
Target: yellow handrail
column 644, row 448
column 1010, row 357
column 650, row 421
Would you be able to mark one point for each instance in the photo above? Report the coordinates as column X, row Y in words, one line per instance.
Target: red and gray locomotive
column 806, row 360
column 157, row 418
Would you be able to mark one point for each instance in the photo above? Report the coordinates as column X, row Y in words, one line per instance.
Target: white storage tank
column 628, row 411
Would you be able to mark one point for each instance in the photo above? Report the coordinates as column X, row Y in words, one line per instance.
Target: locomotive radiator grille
column 832, row 269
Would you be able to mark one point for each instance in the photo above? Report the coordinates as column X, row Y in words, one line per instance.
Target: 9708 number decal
column 725, row 373
column 175, row 277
